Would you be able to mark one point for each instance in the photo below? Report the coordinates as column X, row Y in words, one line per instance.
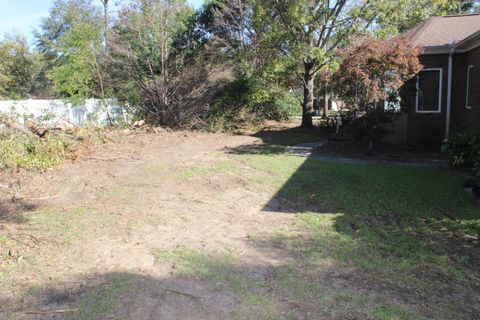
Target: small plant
column 463, row 150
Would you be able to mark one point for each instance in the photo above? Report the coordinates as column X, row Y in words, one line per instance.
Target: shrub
column 463, row 150
column 246, row 103
column 373, row 126
column 31, row 153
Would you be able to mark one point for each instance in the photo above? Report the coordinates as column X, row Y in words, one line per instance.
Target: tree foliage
column 18, row 68
column 157, row 56
column 372, row 68
column 76, row 74
column 390, row 17
column 155, row 70
column 309, row 33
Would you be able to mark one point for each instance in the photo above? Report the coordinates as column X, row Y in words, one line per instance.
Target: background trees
column 155, row 68
column 309, row 33
column 268, row 57
column 389, row 17
column 18, row 68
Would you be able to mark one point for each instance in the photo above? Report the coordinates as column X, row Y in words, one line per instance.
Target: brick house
column 445, row 95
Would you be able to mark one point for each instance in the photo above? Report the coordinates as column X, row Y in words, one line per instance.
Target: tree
column 64, row 14
column 308, row 33
column 70, row 39
column 390, row 17
column 372, row 68
column 106, row 21
column 152, row 73
column 76, row 75
column 17, row 67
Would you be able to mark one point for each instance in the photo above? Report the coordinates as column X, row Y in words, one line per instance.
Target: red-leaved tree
column 372, row 69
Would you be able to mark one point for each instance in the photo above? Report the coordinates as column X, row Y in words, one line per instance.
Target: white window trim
column 468, row 86
column 439, row 108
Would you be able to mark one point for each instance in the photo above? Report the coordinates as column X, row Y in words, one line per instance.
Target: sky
column 25, row 15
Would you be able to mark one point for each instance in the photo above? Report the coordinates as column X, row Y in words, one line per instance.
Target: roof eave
column 470, row 42
column 435, row 50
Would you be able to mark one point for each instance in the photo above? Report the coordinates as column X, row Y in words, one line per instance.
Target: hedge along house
column 445, row 95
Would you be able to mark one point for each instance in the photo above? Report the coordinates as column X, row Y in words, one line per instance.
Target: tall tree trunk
column 308, row 78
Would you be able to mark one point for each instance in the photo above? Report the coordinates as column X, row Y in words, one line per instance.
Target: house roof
column 440, row 32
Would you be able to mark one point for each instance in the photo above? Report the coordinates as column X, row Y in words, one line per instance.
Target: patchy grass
column 98, row 305
column 221, row 270
column 18, row 151
column 213, row 169
column 70, row 225
column 392, row 313
column 191, row 263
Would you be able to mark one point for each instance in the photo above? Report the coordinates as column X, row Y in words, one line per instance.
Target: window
column 469, row 87
column 429, row 91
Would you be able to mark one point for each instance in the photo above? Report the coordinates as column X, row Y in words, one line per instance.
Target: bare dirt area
column 82, row 222
column 190, row 226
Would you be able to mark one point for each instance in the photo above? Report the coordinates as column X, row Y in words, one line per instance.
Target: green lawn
column 409, row 230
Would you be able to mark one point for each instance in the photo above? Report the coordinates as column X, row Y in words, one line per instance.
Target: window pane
column 469, row 86
column 428, row 90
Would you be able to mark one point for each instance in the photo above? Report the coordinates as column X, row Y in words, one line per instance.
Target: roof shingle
column 440, row 31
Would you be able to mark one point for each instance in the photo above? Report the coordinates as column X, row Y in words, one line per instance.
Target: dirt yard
column 196, row 226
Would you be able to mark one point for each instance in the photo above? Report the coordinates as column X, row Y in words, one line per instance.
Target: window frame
column 468, row 103
column 440, row 87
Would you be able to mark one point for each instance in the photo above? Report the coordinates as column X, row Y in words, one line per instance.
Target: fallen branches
column 4, row 119
column 32, row 125
column 183, row 293
column 51, row 311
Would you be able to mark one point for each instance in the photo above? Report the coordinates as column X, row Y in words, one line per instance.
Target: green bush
column 246, row 103
column 373, row 126
column 463, row 150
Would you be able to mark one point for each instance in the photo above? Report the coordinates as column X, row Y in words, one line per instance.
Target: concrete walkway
column 312, row 150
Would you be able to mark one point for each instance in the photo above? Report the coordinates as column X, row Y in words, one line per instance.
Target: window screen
column 469, row 86
column 428, row 93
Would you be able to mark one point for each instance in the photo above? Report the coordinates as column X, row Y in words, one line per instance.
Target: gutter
column 452, row 46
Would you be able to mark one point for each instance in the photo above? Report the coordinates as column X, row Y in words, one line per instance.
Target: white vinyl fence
column 57, row 112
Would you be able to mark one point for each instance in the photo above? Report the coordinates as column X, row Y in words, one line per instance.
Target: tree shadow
column 415, row 228
column 130, row 295
column 388, row 204
column 120, row 295
column 14, row 211
column 273, row 141
column 405, row 224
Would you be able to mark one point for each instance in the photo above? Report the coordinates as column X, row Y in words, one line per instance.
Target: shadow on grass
column 122, row 295
column 275, row 141
column 14, row 211
column 389, row 206
column 204, row 287
column 411, row 230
